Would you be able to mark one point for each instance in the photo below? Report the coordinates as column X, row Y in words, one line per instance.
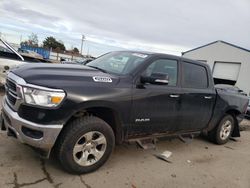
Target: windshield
column 118, row 62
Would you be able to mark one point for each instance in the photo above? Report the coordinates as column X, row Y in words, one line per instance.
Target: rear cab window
column 194, row 76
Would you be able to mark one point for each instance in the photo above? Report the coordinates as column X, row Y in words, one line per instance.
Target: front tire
column 85, row 145
column 221, row 133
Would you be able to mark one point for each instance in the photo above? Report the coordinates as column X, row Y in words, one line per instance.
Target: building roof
column 230, row 44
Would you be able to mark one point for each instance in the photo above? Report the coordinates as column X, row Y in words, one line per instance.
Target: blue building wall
column 45, row 53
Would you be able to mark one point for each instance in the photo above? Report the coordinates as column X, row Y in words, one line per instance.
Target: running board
column 187, row 138
column 149, row 143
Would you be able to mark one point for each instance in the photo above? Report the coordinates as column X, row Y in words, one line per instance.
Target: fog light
column 32, row 133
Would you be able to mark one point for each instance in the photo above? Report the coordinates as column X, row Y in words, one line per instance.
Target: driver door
column 156, row 107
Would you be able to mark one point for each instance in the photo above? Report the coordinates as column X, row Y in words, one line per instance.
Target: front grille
column 11, row 85
column 11, row 92
column 11, row 98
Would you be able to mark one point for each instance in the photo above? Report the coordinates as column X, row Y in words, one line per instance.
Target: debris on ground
column 173, row 175
column 188, row 161
column 164, row 156
column 133, row 186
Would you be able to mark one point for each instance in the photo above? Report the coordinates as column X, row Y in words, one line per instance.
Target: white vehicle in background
column 9, row 58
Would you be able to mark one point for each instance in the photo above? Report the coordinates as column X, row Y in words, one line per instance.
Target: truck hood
column 63, row 75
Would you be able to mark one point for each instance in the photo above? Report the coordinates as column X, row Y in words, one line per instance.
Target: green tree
column 32, row 40
column 51, row 42
column 75, row 50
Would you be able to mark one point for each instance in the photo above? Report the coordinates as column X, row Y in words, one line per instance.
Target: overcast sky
column 169, row 26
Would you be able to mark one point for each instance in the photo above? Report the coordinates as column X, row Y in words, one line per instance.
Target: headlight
column 41, row 97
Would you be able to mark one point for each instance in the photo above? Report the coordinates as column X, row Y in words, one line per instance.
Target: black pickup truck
column 80, row 112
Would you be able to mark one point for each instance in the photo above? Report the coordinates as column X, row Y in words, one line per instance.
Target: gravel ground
column 197, row 164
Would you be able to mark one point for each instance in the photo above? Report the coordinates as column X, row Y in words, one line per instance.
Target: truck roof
column 166, row 55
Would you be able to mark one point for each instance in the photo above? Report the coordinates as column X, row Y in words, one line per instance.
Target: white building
column 229, row 63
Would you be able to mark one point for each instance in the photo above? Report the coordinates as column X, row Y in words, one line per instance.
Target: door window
column 194, row 76
column 165, row 66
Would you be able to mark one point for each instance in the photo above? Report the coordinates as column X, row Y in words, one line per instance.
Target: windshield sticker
column 140, row 55
column 102, row 79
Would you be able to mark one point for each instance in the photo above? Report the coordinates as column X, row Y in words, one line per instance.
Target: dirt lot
column 197, row 164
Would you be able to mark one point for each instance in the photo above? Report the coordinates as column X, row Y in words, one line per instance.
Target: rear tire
column 85, row 145
column 223, row 131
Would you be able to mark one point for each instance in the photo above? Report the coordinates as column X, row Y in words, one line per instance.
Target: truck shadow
column 131, row 153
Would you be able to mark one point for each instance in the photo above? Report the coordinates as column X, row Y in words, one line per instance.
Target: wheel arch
column 234, row 113
column 217, row 117
column 105, row 111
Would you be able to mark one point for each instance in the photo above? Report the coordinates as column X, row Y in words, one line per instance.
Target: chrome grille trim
column 13, row 95
column 11, row 85
column 13, row 92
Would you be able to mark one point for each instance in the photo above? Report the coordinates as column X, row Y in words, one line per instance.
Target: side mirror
column 156, row 78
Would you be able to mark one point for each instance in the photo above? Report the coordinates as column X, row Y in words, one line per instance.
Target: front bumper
column 19, row 126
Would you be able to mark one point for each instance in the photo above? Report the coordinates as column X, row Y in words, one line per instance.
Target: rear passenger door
column 198, row 97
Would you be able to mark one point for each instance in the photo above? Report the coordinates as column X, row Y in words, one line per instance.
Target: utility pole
column 83, row 38
column 21, row 38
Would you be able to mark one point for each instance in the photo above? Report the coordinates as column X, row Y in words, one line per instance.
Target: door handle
column 208, row 97
column 174, row 96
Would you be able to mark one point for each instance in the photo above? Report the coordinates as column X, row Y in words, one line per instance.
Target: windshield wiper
column 98, row 68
